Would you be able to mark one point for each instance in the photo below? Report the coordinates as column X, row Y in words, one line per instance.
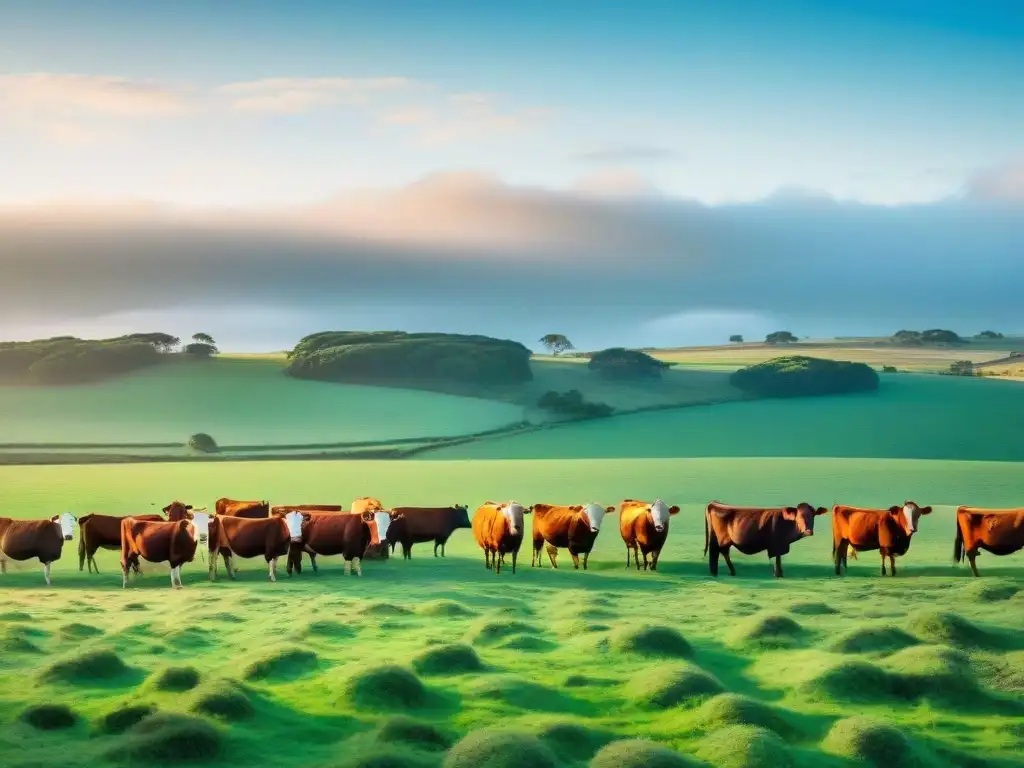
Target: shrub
column 890, row 369
column 799, row 376
column 203, row 443
column 990, row 335
column 572, row 404
column 780, row 337
column 620, row 363
column 177, row 679
column 200, row 350
column 961, row 368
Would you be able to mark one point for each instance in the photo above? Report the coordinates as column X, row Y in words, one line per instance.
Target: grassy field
column 394, row 668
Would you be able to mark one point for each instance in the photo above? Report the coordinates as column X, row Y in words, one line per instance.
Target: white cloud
column 1005, row 182
column 48, row 94
column 294, row 95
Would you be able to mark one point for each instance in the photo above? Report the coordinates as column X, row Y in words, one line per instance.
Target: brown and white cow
column 278, row 509
column 755, row 529
column 498, row 529
column 416, row 525
column 22, row 540
column 96, row 532
column 338, row 533
column 238, row 536
column 998, row 531
column 251, row 509
column 173, row 543
column 856, row 529
column 644, row 528
column 369, row 505
column 574, row 528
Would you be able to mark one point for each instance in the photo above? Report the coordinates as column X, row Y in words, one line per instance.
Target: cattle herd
column 249, row 529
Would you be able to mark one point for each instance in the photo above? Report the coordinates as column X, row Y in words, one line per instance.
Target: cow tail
column 707, row 535
column 81, row 548
column 958, row 543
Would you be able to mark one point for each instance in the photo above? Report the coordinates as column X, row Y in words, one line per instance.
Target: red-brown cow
column 279, row 509
column 250, row 509
column 855, row 529
column 43, row 539
column 574, row 528
column 644, row 528
column 416, row 525
column 96, row 532
column 271, row 538
column 344, row 534
column 171, row 542
column 366, row 505
column 755, row 529
column 498, row 528
column 998, row 531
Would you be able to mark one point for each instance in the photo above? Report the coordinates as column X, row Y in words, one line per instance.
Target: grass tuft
column 572, row 741
column 448, row 660
column 405, row 730
column 767, row 632
column 118, row 721
column 87, row 667
column 496, row 630
column 327, row 628
column 76, row 631
column 585, row 681
column 131, row 607
column 445, row 609
column 387, row 757
column 379, row 608
column 498, row 748
column 744, row 746
column 386, row 687
column 169, row 739
column 640, row 753
column 663, row 686
column 50, row 717
column 527, row 643
column 176, row 679
column 872, row 639
column 522, row 694
column 223, row 699
column 947, row 628
column 283, row 664
column 15, row 616
column 652, row 641
column 982, row 592
column 731, row 709
column 15, row 640
column 874, row 743
column 812, row 609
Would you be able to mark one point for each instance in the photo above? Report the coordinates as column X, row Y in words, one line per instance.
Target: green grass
column 417, row 656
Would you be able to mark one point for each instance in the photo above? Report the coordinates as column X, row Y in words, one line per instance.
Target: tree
column 736, row 339
column 961, row 368
column 990, row 335
column 162, row 342
column 201, row 350
column 556, row 343
column 203, row 338
column 780, row 337
column 203, row 443
column 619, row 363
column 800, row 376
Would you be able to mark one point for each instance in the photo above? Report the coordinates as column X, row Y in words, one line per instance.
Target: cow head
column 66, row 522
column 199, row 522
column 293, row 522
column 513, row 512
column 803, row 515
column 660, row 512
column 595, row 515
column 177, row 511
column 460, row 518
column 908, row 515
column 382, row 519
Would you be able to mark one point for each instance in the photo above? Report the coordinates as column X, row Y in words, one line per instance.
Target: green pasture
column 540, row 668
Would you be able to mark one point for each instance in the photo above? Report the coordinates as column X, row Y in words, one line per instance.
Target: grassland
column 391, row 669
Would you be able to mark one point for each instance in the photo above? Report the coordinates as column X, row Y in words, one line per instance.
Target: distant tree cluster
column 624, row 364
column 69, row 360
column 925, row 338
column 409, row 359
column 203, row 346
column 780, row 337
column 572, row 404
column 961, row 368
column 799, row 376
column 736, row 339
column 990, row 335
column 556, row 343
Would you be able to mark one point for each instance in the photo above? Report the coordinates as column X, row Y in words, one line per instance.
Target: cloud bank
column 466, row 252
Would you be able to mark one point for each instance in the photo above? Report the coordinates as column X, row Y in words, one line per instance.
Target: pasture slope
column 542, row 668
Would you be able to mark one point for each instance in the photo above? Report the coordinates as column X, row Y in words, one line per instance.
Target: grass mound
column 947, row 628
column 176, row 679
column 767, row 632
column 130, row 607
column 283, row 664
column 15, row 640
column 328, row 629
column 15, row 616
column 653, row 641
column 982, row 592
column 744, row 746
column 445, row 608
column 873, row 743
column 447, row 660
column 379, row 608
column 405, row 730
column 872, row 640
column 639, row 753
column 223, row 699
column 167, row 738
column 663, row 687
column 572, row 741
column 87, row 667
column 731, row 709
column 122, row 719
column 191, row 638
column 495, row 748
column 386, row 687
column 387, row 757
column 812, row 609
column 528, row 643
column 50, row 717
column 585, row 681
column 522, row 694
column 76, row 631
column 497, row 630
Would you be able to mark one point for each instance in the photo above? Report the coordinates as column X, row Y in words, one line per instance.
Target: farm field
column 393, row 668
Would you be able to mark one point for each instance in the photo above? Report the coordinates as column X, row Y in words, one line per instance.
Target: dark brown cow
column 574, row 528
column 251, row 509
column 855, row 529
column 271, row 538
column 416, row 525
column 998, row 531
column 96, row 532
column 367, row 505
column 498, row 528
column 755, row 529
column 27, row 539
column 173, row 543
column 644, row 528
column 344, row 534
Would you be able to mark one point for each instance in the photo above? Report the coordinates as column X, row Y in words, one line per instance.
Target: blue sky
column 883, row 102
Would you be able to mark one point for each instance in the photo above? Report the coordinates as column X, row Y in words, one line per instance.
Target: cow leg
column 229, row 563
column 3, row 565
column 515, row 556
column 575, row 560
column 586, row 556
column 272, row 570
column 713, row 552
column 348, row 567
column 882, row 551
column 654, row 559
column 211, row 569
column 971, row 556
column 93, row 568
column 406, row 551
column 124, row 575
column 553, row 556
column 487, row 559
column 435, row 548
column 442, row 548
column 497, row 562
column 357, row 566
column 778, row 566
column 46, row 573
column 840, row 556
column 892, row 564
column 728, row 561
column 646, row 563
column 627, row 556
column 173, row 585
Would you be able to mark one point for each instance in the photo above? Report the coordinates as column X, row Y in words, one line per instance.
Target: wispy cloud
column 294, row 95
column 625, row 154
column 63, row 94
column 1004, row 182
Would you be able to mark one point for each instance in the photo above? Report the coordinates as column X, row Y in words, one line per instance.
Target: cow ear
column 789, row 513
column 609, row 510
column 188, row 506
column 894, row 510
column 673, row 510
column 925, row 510
column 528, row 509
column 306, row 517
column 167, row 509
column 55, row 519
column 821, row 511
